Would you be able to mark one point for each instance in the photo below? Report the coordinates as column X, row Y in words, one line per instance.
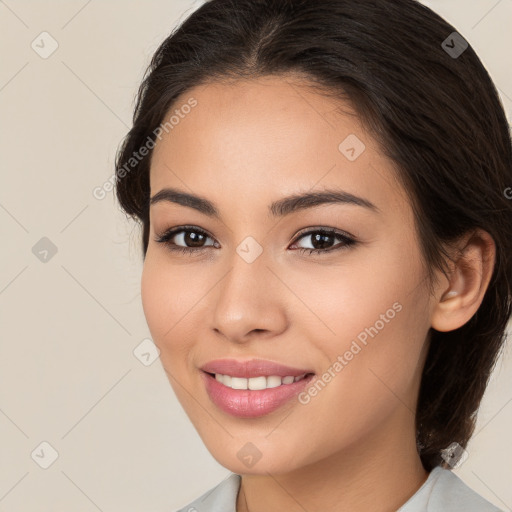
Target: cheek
column 382, row 296
column 154, row 299
column 371, row 325
column 166, row 302
column 343, row 301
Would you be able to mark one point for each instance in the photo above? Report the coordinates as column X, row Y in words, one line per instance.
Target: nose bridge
column 248, row 271
column 244, row 301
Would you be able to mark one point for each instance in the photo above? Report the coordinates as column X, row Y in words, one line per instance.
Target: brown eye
column 322, row 241
column 185, row 239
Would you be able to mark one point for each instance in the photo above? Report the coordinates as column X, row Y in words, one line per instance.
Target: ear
column 470, row 273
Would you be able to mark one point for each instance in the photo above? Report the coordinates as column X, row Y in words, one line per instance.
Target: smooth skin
column 249, row 143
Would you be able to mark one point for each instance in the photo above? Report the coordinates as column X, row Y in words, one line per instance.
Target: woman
column 326, row 241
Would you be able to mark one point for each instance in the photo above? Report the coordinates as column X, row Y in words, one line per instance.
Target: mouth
column 251, row 389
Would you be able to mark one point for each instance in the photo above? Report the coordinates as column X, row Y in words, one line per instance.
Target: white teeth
column 256, row 383
column 238, row 383
column 273, row 381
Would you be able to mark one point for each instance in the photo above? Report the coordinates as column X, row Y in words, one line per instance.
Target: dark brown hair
column 432, row 107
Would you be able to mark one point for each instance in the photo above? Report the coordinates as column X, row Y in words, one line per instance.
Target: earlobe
column 468, row 281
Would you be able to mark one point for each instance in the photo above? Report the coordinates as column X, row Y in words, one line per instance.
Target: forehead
column 268, row 137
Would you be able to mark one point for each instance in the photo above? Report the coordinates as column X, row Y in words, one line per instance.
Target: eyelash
column 165, row 238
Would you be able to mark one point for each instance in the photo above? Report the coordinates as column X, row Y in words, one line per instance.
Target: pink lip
column 251, row 368
column 245, row 403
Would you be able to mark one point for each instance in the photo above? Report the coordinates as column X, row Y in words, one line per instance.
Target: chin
column 256, row 454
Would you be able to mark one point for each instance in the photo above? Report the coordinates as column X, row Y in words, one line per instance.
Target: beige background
column 69, row 326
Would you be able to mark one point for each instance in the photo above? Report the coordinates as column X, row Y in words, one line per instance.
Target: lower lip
column 244, row 403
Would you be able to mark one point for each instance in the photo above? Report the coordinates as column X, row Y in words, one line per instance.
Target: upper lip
column 251, row 368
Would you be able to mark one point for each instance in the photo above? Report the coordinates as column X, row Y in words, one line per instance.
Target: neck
column 379, row 474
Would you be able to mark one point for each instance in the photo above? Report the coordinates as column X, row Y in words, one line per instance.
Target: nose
column 249, row 302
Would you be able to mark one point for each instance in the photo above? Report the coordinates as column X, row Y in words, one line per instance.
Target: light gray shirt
column 442, row 491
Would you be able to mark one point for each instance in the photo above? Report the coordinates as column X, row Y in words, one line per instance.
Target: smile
column 254, row 396
column 256, row 383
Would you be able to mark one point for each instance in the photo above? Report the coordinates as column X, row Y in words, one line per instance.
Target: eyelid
column 306, row 231
column 172, row 232
column 316, row 229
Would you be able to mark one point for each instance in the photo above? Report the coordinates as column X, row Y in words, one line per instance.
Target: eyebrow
column 279, row 208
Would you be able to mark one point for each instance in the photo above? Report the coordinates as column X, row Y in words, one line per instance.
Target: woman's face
column 356, row 315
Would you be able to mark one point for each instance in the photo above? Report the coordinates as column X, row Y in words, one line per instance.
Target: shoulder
column 445, row 491
column 451, row 493
column 221, row 498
